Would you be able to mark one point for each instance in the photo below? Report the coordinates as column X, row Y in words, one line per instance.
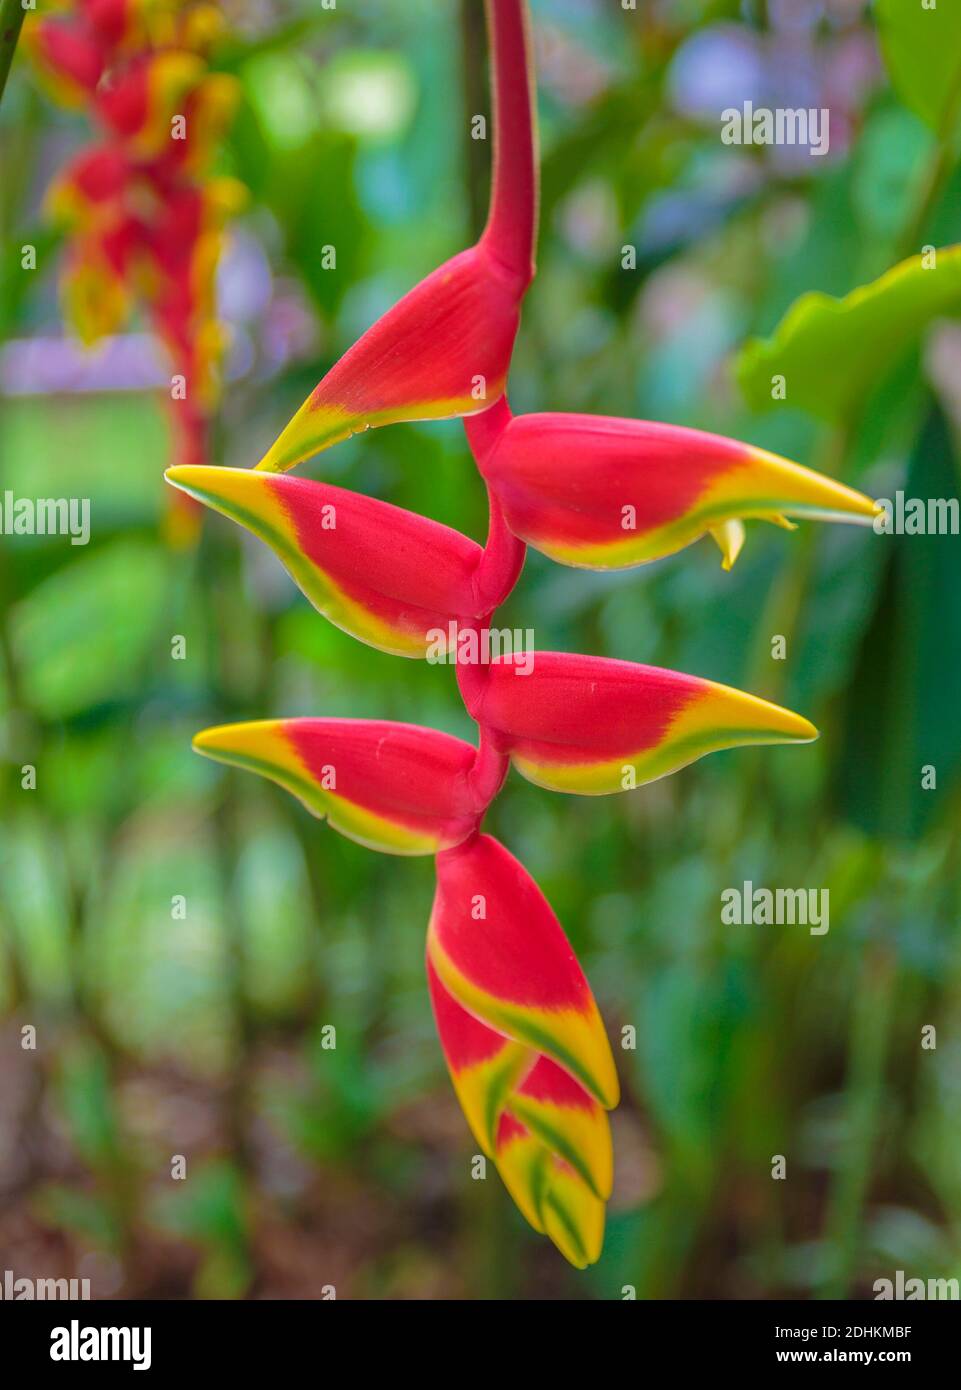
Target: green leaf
column 211, row 1210
column 832, row 352
column 84, row 1092
column 84, row 634
column 81, row 1213
column 922, row 51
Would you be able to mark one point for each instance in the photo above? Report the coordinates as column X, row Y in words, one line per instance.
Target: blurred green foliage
column 202, row 1034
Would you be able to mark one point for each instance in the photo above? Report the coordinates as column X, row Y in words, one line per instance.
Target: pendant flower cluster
column 143, row 216
column 524, row 1041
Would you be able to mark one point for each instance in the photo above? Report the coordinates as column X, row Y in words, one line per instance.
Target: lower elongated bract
column 500, row 951
column 524, row 1044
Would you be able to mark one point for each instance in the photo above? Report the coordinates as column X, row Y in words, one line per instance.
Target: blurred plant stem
column 785, row 603
column 934, row 178
column 303, row 833
column 667, row 1241
column 864, row 1091
column 217, row 589
column 11, row 22
column 237, row 1104
column 492, row 1241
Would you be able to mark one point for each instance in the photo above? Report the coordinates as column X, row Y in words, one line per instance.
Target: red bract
column 138, row 105
column 525, row 1112
column 95, row 178
column 69, row 59
column 604, row 493
column 396, row 788
column 500, row 951
column 519, row 1026
column 524, row 1042
column 387, row 576
column 445, row 348
column 115, row 22
column 592, row 725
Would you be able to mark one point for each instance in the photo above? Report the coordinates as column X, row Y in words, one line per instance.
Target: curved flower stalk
column 444, row 349
column 144, row 218
column 602, row 493
column 519, row 1027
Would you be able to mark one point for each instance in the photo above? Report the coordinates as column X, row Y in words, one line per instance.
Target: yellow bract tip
column 749, row 719
column 252, row 738
column 729, row 536
column 798, row 491
column 238, row 493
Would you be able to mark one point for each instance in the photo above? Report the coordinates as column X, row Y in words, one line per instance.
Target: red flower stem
column 488, row 773
column 500, row 564
column 511, row 231
column 495, row 577
column 471, row 676
column 484, row 430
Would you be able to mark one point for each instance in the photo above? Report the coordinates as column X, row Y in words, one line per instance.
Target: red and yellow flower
column 521, row 1032
column 144, row 218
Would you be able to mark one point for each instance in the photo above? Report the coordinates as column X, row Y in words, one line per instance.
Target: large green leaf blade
column 833, row 352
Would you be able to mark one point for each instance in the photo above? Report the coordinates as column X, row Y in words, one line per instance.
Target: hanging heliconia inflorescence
column 143, row 217
column 523, row 1038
